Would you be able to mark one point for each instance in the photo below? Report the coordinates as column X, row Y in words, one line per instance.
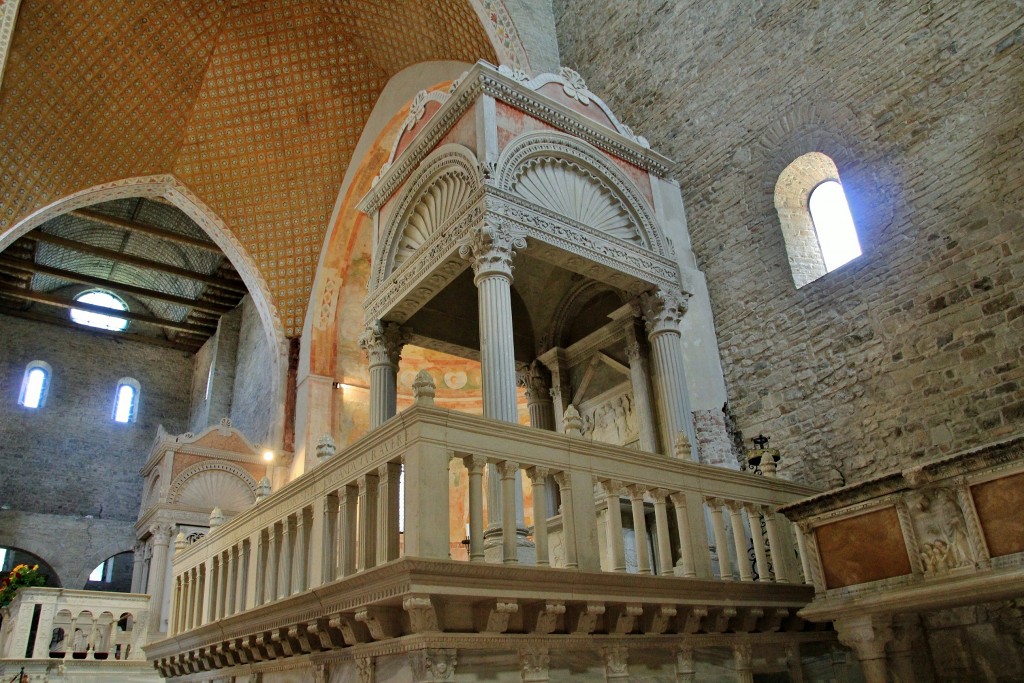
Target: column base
column 526, row 551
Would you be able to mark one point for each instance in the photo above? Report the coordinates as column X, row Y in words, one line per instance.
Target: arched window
column 103, row 299
column 837, row 236
column 816, row 223
column 126, row 400
column 35, row 384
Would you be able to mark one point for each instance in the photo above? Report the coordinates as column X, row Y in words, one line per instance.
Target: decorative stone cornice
column 663, row 310
column 382, row 342
column 490, row 250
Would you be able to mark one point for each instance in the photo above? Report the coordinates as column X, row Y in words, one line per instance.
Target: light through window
column 833, row 224
column 98, row 320
column 34, row 388
column 125, row 401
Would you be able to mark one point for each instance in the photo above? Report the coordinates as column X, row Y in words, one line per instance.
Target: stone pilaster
column 639, row 375
column 158, row 574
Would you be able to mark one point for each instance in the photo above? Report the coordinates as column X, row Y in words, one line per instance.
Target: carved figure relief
column 612, row 422
column 940, row 528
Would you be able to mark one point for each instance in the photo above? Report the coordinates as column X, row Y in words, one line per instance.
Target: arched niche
column 211, row 484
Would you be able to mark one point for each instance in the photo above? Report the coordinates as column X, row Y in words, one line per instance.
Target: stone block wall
column 912, row 350
column 69, row 457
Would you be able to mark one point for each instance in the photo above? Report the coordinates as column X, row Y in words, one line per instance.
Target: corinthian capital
column 663, row 310
column 534, row 380
column 382, row 342
column 490, row 250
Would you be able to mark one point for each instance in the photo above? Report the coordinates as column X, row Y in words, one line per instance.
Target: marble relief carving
column 612, row 421
column 940, row 528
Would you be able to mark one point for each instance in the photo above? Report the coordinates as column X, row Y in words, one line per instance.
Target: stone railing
column 942, row 534
column 336, row 530
column 74, row 625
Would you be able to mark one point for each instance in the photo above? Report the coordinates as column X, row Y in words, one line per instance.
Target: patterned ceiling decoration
column 255, row 104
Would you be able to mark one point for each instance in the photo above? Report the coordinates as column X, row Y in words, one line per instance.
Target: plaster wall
column 910, row 351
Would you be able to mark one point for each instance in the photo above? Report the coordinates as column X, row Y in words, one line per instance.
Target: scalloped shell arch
column 435, row 207
column 215, row 488
column 569, row 190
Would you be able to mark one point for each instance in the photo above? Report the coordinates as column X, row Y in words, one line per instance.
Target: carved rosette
column 664, row 310
column 382, row 343
column 491, row 249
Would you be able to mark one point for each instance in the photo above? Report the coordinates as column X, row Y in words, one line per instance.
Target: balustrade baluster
column 721, row 539
column 757, row 538
column 538, row 478
column 388, row 476
column 348, row 500
column 778, row 551
column 739, row 538
column 367, row 522
column 643, row 553
column 564, row 482
column 509, row 473
column 475, row 466
column 661, row 531
column 287, row 559
column 613, row 526
column 329, row 539
column 685, row 536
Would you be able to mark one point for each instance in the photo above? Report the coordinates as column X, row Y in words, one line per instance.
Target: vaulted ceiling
column 255, row 104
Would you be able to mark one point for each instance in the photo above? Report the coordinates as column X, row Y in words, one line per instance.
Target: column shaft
column 475, row 465
column 157, row 578
column 538, row 478
column 643, row 554
column 670, row 380
column 497, row 355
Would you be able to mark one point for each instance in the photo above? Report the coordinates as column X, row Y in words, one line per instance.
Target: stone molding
column 483, row 79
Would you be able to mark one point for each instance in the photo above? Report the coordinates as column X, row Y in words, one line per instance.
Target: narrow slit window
column 126, row 400
column 833, row 224
column 34, row 385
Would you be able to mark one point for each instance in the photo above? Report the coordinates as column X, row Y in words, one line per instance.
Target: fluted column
column 382, row 343
column 639, row 377
column 663, row 312
column 158, row 575
column 490, row 252
column 538, row 396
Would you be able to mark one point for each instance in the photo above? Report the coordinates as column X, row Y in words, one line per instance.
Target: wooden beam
column 131, row 290
column 190, row 346
column 50, row 300
column 161, row 233
column 139, row 262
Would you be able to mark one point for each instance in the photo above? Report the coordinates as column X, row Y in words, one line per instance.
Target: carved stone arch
column 579, row 295
column 553, row 169
column 221, row 476
column 436, row 195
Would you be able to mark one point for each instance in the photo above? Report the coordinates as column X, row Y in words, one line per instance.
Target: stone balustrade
column 56, row 623
column 335, row 532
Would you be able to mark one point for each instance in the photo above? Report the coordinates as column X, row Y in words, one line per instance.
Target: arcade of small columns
column 491, row 254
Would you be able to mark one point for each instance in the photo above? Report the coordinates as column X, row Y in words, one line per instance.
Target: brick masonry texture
column 913, row 350
column 69, row 457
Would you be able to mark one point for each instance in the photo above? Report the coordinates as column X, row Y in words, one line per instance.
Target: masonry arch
column 176, row 192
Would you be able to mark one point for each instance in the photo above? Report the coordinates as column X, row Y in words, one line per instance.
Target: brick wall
column 912, row 350
column 69, row 457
